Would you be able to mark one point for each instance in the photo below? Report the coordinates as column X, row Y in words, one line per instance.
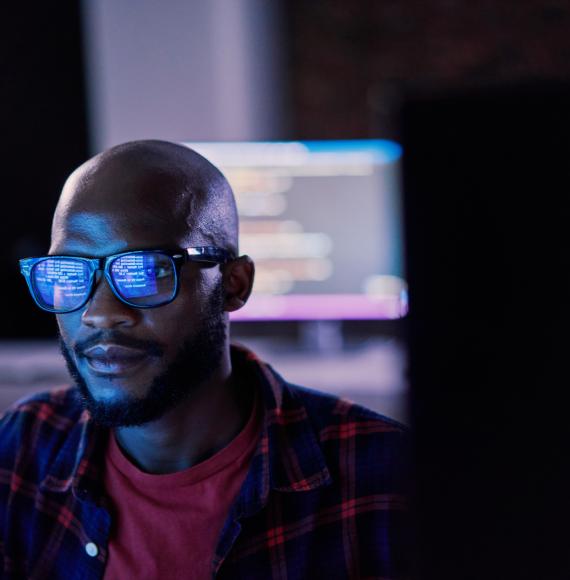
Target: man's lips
column 114, row 359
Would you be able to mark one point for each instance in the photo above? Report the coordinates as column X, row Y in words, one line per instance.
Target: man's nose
column 105, row 310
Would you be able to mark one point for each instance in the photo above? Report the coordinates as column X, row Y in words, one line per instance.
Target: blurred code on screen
column 322, row 221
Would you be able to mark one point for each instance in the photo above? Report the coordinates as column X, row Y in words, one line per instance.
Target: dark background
column 351, row 62
column 350, row 65
column 43, row 129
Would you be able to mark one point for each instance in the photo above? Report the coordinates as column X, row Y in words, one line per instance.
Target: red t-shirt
column 167, row 526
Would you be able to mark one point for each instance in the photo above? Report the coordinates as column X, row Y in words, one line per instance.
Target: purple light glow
column 321, row 307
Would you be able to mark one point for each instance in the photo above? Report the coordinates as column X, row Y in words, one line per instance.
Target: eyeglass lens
column 60, row 283
column 142, row 279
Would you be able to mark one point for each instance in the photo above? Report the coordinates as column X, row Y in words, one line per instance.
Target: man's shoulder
column 39, row 421
column 331, row 414
column 46, row 405
column 347, row 432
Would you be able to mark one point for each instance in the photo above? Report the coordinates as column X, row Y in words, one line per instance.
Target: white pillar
column 183, row 70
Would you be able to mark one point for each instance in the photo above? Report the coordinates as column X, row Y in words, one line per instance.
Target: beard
column 196, row 360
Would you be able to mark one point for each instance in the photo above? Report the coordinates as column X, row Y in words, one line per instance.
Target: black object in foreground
column 488, row 239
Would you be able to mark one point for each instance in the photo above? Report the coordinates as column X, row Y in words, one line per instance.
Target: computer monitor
column 322, row 221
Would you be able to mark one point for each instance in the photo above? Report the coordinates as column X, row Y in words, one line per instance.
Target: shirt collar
column 77, row 466
column 288, row 456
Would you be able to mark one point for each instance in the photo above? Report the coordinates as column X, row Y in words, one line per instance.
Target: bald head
column 166, row 188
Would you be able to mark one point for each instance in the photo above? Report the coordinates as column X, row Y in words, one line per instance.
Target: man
column 175, row 455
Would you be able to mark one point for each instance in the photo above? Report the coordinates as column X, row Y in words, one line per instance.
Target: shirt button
column 91, row 549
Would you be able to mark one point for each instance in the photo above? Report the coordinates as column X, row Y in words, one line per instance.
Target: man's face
column 132, row 365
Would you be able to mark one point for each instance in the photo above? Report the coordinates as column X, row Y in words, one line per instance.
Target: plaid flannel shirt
column 325, row 495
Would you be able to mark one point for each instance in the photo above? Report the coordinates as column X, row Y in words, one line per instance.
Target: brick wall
column 351, row 60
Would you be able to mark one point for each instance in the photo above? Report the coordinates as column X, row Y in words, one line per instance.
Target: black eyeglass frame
column 202, row 254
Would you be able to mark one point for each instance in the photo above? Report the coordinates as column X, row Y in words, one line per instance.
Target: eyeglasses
column 142, row 279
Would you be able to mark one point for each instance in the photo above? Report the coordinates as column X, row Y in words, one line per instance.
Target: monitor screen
column 322, row 222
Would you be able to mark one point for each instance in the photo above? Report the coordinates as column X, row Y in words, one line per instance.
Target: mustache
column 149, row 347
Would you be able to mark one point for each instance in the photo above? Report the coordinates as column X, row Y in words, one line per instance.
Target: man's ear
column 238, row 281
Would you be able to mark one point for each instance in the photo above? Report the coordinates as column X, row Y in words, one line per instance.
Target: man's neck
column 192, row 432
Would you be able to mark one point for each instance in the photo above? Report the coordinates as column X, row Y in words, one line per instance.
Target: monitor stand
column 322, row 336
